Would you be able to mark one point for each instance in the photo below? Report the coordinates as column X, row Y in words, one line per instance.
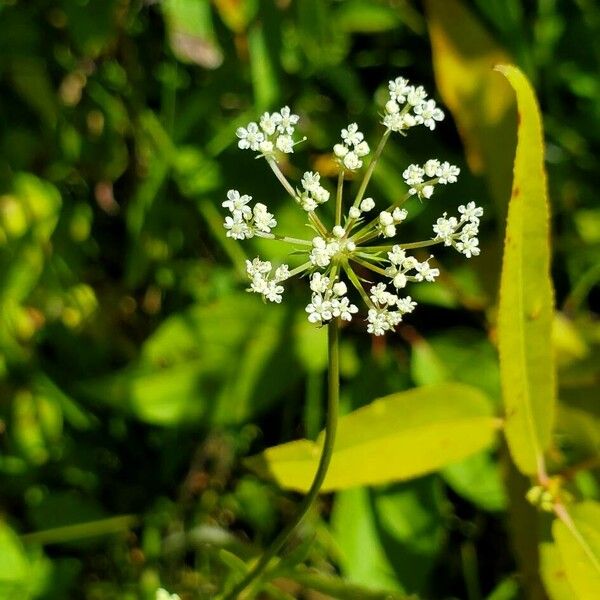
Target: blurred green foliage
column 135, row 373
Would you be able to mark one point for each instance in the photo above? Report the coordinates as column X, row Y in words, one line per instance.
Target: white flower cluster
column 381, row 317
column 246, row 222
column 352, row 148
column 264, row 281
column 408, row 107
column 328, row 300
column 443, row 173
column 401, row 265
column 461, row 233
column 314, row 193
column 274, row 131
column 345, row 245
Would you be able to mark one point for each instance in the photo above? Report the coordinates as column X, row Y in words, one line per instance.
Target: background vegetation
column 136, row 374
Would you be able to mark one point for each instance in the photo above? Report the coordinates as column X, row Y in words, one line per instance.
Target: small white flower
column 367, row 204
column 310, row 181
column 308, row 203
column 257, row 266
column 319, row 309
column 237, row 227
column 468, row 246
column 340, row 150
column 413, row 175
column 431, row 167
column 361, row 149
column 444, row 228
column 392, row 107
column 399, row 280
column 397, row 255
column 340, row 289
column 342, row 308
column 399, row 215
column 471, row 211
column 354, row 212
column 352, row 162
column 268, row 123
column 266, row 147
column 416, row 96
column 338, row 231
column 425, row 272
column 399, row 88
column 426, row 191
column 319, row 283
column 287, row 121
column 406, row 305
column 263, row 220
column 250, row 137
column 352, row 136
column 322, row 252
column 285, row 144
column 236, row 203
column 447, row 173
column 427, row 114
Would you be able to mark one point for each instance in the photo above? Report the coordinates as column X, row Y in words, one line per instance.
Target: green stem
column 365, row 182
column 282, row 238
column 338, row 199
column 369, row 226
column 80, row 531
column 356, row 283
column 369, row 266
column 333, row 398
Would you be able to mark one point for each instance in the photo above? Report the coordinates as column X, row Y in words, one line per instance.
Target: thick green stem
column 333, row 398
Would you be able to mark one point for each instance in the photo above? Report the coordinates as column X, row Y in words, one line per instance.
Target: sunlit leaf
column 553, row 573
column 577, row 536
column 526, row 308
column 463, row 56
column 434, row 425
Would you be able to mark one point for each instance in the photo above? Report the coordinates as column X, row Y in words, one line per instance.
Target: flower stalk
column 333, row 400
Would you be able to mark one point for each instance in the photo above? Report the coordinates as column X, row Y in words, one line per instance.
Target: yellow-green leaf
column 553, row 573
column 483, row 108
column 394, row 438
column 526, row 308
column 577, row 536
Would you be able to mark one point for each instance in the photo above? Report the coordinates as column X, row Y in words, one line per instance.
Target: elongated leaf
column 578, row 539
column 526, row 297
column 394, row 438
column 463, row 56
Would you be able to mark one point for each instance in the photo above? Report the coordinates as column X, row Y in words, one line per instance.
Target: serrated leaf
column 433, row 425
column 526, row 308
column 577, row 536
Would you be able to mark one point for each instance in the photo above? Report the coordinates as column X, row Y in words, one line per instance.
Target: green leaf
column 14, row 566
column 263, row 68
column 365, row 16
column 191, row 32
column 463, row 56
column 220, row 363
column 553, row 573
column 394, row 438
column 477, row 479
column 526, row 308
column 577, row 536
